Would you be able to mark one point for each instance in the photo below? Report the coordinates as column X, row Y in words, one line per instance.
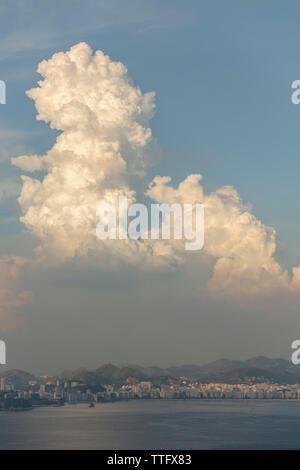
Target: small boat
column 91, row 405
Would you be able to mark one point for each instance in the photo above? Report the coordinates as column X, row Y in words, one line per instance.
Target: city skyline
column 261, row 378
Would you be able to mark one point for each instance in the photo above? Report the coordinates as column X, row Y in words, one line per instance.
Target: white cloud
column 106, row 143
column 30, row 164
column 242, row 246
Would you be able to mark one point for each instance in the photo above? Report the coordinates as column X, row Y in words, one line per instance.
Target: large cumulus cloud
column 242, row 246
column 102, row 152
column 105, row 143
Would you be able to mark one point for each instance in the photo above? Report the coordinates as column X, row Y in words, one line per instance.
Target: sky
column 222, row 74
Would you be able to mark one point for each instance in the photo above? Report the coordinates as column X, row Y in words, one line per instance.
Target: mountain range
column 256, row 369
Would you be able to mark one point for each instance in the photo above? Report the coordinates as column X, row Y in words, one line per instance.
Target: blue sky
column 222, row 74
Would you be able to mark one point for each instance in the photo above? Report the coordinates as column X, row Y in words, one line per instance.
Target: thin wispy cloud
column 45, row 30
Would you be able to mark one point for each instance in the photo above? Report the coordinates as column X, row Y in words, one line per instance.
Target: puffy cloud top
column 105, row 141
column 105, row 145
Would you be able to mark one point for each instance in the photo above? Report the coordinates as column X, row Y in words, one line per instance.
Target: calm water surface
column 150, row 424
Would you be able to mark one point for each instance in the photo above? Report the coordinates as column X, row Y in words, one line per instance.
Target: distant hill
column 223, row 366
column 219, row 366
column 254, row 375
column 18, row 378
column 108, row 374
column 263, row 362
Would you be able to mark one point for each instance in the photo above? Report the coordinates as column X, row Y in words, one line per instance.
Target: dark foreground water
column 163, row 424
